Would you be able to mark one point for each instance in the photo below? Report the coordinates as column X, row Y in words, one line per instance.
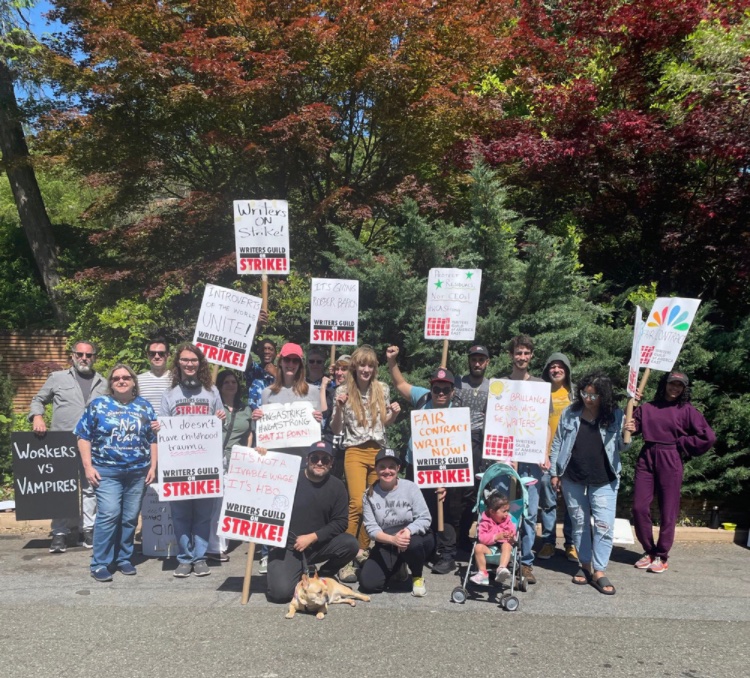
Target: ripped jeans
column 594, row 542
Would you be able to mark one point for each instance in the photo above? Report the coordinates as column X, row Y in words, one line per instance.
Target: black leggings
column 385, row 559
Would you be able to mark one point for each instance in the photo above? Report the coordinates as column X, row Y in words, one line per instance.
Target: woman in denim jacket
column 585, row 464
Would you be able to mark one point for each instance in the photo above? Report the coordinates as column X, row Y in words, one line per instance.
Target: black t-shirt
column 85, row 381
column 588, row 463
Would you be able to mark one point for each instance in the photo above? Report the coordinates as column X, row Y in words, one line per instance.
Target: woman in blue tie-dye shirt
column 117, row 443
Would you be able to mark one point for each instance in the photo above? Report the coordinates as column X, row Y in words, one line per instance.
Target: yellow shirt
column 560, row 400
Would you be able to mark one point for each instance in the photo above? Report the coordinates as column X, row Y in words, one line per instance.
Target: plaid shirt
column 258, row 379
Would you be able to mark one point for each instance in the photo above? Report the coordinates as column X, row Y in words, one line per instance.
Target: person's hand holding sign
column 258, row 413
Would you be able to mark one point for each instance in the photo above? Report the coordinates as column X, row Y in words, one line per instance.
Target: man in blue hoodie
column 557, row 373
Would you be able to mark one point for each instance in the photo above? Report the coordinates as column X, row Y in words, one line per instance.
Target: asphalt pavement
column 693, row 621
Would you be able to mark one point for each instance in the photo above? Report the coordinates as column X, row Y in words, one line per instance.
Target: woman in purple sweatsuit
column 673, row 432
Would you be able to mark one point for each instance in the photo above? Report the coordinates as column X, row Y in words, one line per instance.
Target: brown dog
column 316, row 594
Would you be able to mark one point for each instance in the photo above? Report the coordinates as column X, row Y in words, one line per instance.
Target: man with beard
column 70, row 391
column 472, row 391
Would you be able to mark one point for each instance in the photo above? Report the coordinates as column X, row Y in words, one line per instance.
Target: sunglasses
column 127, row 377
column 442, row 390
column 157, row 354
column 81, row 354
column 314, row 362
column 324, row 459
column 593, row 397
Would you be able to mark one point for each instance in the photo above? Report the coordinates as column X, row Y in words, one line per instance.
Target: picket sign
column 191, row 458
column 334, row 311
column 226, row 326
column 258, row 499
column 441, row 447
column 517, row 421
column 261, row 233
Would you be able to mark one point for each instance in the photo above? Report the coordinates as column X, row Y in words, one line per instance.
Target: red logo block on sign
column 438, row 327
column 646, row 353
column 498, row 446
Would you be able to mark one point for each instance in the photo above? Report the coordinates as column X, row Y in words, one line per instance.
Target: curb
column 9, row 525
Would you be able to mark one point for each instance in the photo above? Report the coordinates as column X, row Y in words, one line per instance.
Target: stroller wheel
column 511, row 603
column 459, row 595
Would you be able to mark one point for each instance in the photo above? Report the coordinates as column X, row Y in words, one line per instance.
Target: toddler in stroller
column 495, row 533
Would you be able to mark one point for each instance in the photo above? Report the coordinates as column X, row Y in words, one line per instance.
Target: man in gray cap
column 317, row 529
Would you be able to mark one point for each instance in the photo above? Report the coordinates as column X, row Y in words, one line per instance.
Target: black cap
column 321, row 446
column 478, row 349
column 387, row 453
column 442, row 374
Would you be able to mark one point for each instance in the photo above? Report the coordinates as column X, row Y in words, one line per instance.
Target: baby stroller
column 499, row 477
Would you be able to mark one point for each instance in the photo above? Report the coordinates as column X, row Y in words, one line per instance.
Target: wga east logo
column 674, row 319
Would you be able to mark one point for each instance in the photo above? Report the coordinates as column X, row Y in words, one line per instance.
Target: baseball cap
column 442, row 374
column 387, row 453
column 678, row 376
column 321, row 447
column 291, row 349
column 478, row 349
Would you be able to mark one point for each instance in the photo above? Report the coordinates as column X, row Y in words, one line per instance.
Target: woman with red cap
column 673, row 432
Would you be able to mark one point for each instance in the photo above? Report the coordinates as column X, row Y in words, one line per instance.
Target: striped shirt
column 152, row 388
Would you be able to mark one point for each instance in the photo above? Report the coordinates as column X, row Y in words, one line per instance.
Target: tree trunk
column 31, row 210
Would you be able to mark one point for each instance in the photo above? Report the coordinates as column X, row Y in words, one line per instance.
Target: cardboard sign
column 666, row 330
column 517, row 421
column 287, row 425
column 46, row 475
column 635, row 352
column 452, row 301
column 334, row 311
column 157, row 531
column 226, row 326
column 441, row 447
column 258, row 496
column 261, row 233
column 191, row 459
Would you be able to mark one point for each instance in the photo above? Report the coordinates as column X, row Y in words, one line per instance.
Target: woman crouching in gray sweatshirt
column 396, row 517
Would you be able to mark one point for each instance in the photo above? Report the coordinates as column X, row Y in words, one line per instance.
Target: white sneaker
column 263, row 566
column 480, row 578
column 502, row 575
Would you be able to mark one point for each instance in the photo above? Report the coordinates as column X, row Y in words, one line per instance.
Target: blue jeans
column 192, row 527
column 529, row 526
column 548, row 511
column 119, row 497
column 585, row 501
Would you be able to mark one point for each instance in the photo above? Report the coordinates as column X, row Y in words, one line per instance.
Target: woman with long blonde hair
column 361, row 411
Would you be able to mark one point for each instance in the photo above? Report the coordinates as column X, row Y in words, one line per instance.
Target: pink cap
column 291, row 349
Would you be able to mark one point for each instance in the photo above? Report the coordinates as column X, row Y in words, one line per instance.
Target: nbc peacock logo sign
column 666, row 330
column 675, row 318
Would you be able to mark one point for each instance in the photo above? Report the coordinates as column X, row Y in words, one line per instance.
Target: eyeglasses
column 189, row 361
column 316, row 459
column 442, row 390
column 593, row 397
column 157, row 354
column 82, row 354
column 314, row 362
column 127, row 377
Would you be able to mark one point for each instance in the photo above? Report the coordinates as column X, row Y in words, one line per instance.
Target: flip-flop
column 581, row 574
column 601, row 584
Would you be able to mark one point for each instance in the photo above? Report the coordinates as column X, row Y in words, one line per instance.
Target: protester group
column 357, row 513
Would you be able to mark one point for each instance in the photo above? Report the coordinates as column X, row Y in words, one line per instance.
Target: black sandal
column 601, row 584
column 581, row 574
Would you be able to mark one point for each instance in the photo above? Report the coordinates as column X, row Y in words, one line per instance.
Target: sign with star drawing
column 452, row 301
